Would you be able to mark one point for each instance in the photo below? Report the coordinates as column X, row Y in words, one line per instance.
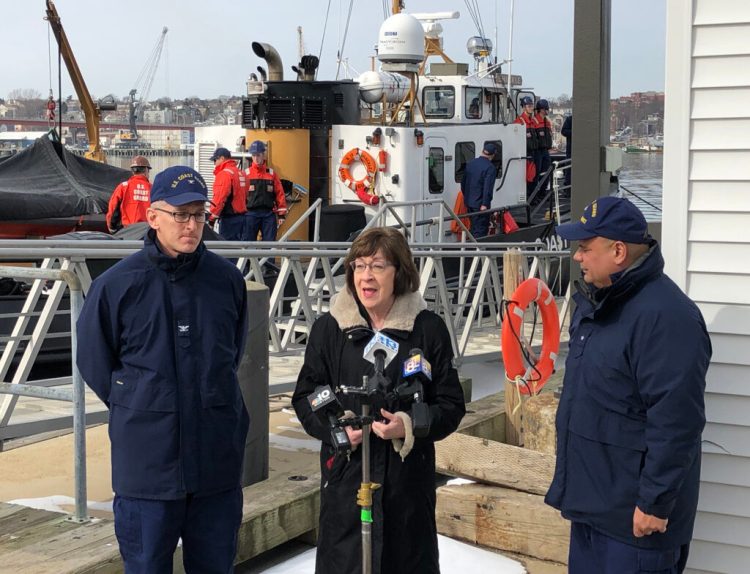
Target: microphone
column 380, row 351
column 415, row 373
column 417, row 367
column 323, row 401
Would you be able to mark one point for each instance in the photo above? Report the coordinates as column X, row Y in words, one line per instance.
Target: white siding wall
column 706, row 230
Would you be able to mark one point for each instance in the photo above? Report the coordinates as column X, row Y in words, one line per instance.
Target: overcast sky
column 208, row 45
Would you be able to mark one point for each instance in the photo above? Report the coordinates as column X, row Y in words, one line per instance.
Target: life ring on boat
column 535, row 376
column 362, row 187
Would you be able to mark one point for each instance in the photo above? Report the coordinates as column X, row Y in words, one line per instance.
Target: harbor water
column 641, row 182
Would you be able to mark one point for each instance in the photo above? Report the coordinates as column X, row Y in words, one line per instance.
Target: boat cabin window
column 473, row 103
column 464, row 154
column 439, row 101
column 436, row 170
column 497, row 161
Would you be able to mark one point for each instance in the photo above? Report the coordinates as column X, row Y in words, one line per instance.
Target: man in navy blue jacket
column 631, row 413
column 477, row 186
column 161, row 335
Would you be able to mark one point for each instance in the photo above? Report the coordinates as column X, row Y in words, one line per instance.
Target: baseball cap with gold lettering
column 615, row 218
column 178, row 185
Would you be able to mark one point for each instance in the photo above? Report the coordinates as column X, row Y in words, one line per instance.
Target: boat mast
column 510, row 50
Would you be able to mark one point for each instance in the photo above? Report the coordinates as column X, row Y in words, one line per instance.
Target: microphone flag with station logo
column 381, row 343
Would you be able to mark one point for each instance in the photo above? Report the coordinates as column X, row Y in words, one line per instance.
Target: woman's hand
column 355, row 435
column 394, row 428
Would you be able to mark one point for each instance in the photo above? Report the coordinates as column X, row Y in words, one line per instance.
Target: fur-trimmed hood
column 401, row 317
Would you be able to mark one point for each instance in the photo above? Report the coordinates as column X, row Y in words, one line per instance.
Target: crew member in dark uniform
column 161, row 335
column 477, row 185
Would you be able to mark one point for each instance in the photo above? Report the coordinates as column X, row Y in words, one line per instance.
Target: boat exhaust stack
column 308, row 66
column 272, row 58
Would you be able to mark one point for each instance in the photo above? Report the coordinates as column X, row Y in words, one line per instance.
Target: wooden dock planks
column 277, row 510
column 38, row 541
column 41, row 542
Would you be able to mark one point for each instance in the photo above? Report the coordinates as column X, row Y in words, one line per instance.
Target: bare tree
column 24, row 94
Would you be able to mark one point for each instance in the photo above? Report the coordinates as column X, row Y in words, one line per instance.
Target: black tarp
column 46, row 180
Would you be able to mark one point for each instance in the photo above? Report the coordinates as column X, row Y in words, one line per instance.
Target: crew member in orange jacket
column 230, row 195
column 526, row 118
column 131, row 198
column 266, row 203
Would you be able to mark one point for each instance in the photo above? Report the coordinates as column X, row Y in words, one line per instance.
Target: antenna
column 300, row 43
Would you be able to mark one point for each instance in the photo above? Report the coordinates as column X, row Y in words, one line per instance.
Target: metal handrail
column 77, row 394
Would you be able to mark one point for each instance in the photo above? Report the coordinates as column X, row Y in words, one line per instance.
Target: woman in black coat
column 381, row 295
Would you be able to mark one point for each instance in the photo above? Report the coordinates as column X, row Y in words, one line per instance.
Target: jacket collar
column 259, row 169
column 225, row 165
column 180, row 265
column 401, row 317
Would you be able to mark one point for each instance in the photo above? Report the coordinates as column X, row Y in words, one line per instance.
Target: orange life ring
column 536, row 376
column 361, row 186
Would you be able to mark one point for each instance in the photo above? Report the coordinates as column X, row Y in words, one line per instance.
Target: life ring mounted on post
column 363, row 187
column 530, row 378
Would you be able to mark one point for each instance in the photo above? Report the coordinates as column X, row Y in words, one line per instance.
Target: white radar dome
column 401, row 40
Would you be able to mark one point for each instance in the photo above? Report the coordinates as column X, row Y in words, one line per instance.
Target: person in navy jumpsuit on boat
column 631, row 414
column 477, row 185
column 160, row 337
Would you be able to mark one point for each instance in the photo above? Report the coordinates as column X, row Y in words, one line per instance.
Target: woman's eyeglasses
column 184, row 216
column 376, row 267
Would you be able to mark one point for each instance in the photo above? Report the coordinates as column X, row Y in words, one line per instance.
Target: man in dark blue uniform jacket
column 160, row 337
column 631, row 413
column 477, row 186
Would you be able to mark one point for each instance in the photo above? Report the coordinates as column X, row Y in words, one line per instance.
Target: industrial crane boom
column 91, row 110
column 144, row 82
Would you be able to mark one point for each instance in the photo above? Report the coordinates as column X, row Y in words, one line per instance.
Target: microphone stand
column 366, row 487
column 364, row 494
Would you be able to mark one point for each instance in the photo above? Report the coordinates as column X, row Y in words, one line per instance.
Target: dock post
column 79, row 404
column 512, row 277
column 253, row 380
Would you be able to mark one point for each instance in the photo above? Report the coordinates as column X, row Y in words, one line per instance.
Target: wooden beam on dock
column 276, row 511
column 494, row 463
column 503, row 519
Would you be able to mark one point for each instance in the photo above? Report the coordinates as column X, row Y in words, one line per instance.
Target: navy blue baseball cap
column 220, row 152
column 612, row 217
column 178, row 185
column 489, row 148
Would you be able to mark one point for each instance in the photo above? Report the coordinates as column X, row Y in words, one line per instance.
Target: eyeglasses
column 376, row 267
column 184, row 216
